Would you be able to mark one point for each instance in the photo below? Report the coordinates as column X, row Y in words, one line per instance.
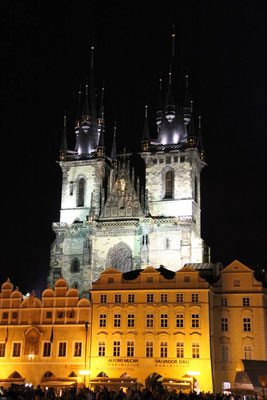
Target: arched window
column 169, row 185
column 81, row 192
column 76, row 285
column 75, row 265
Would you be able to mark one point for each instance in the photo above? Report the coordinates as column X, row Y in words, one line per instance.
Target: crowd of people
column 16, row 392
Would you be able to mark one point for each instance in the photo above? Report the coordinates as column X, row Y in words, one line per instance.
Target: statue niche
column 120, row 257
column 32, row 337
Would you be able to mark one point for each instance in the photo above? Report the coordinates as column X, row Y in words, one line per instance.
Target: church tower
column 107, row 218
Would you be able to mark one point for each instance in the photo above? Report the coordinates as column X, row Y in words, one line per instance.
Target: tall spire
column 85, row 112
column 187, row 101
column 173, row 41
column 146, row 136
column 200, row 139
column 191, row 137
column 101, row 120
column 79, row 111
column 169, row 105
column 94, row 133
column 63, row 147
column 159, row 111
column 113, row 154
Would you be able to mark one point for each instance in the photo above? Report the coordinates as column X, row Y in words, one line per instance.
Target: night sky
column 45, row 56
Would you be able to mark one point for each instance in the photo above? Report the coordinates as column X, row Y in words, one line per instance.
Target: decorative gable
column 236, row 266
column 122, row 201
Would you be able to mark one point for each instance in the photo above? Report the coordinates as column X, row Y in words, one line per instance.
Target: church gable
column 122, row 201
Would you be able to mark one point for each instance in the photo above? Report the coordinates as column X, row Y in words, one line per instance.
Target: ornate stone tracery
column 120, row 257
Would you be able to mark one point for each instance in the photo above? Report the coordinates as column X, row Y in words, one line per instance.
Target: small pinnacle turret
column 146, row 136
column 159, row 110
column 63, row 147
column 113, row 154
column 200, row 139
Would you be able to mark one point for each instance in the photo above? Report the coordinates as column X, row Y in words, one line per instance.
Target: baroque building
column 107, row 218
column 201, row 327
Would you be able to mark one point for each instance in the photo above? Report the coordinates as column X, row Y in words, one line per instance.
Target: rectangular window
column 130, row 321
column 60, row 314
column 62, row 349
column 149, row 279
column 163, row 298
column 102, row 349
column 77, row 349
column 225, row 352
column 102, row 320
column 187, row 279
column 47, row 349
column 246, row 325
column 2, row 349
column 224, row 324
column 155, row 161
column 117, row 298
column 116, row 348
column 194, row 298
column 195, row 350
column 224, row 302
column 179, row 297
column 117, row 320
column 149, row 349
column 150, row 298
column 149, row 320
column 110, row 280
column 103, row 298
column 180, row 349
column 175, row 159
column 15, row 315
column 236, row 282
column 131, row 298
column 179, row 320
column 16, row 349
column 5, row 315
column 163, row 349
column 48, row 314
column 182, row 159
column 248, row 352
column 70, row 314
column 163, row 320
column 130, row 349
column 195, row 321
column 246, row 301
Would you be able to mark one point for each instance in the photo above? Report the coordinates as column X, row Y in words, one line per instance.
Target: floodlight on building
column 31, row 356
column 84, row 372
column 193, row 373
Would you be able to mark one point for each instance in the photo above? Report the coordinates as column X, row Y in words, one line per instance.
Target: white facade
column 116, row 228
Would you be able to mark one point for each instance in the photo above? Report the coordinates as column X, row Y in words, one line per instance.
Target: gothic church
column 107, row 219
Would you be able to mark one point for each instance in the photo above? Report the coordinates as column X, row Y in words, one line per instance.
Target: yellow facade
column 148, row 325
column 43, row 341
column 169, row 316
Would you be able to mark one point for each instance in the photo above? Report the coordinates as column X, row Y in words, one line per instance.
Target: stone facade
column 115, row 225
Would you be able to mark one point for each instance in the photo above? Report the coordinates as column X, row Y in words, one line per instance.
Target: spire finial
column 63, row 147
column 146, row 136
column 191, row 105
column 92, row 55
column 199, row 121
column 145, row 111
column 170, row 74
column 173, row 40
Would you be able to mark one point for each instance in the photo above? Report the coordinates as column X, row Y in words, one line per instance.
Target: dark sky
column 45, row 56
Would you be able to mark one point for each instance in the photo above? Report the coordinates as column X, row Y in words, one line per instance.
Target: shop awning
column 254, row 376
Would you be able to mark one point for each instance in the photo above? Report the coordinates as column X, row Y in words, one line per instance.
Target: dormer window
column 187, row 278
column 149, row 279
column 110, row 280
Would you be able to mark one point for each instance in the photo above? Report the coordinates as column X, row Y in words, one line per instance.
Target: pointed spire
column 79, row 111
column 146, row 136
column 63, row 147
column 94, row 130
column 101, row 120
column 113, row 155
column 173, row 41
column 169, row 105
column 85, row 112
column 159, row 111
column 191, row 137
column 200, row 139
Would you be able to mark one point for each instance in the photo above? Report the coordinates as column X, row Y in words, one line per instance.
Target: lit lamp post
column 84, row 373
